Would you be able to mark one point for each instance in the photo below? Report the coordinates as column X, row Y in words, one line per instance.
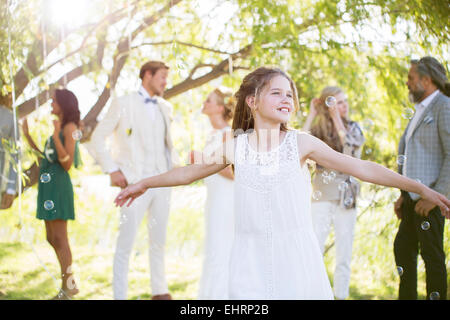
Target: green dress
column 55, row 191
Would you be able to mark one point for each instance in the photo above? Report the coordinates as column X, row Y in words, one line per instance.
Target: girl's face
column 210, row 106
column 276, row 101
column 56, row 109
column 342, row 104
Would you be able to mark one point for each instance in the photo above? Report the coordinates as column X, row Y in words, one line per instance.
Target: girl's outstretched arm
column 202, row 168
column 314, row 149
column 175, row 177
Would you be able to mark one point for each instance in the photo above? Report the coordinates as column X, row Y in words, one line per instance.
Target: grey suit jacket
column 428, row 153
column 8, row 176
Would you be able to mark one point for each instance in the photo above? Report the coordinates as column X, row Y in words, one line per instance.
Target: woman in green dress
column 55, row 204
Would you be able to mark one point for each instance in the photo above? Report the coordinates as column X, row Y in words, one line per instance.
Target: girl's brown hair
column 252, row 85
column 323, row 127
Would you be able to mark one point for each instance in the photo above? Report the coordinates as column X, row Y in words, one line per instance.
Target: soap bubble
column 348, row 202
column 77, row 135
column 425, row 225
column 368, row 124
column 317, row 195
column 401, row 159
column 45, row 177
column 332, row 175
column 122, row 220
column 408, row 113
column 326, row 179
column 435, row 296
column 399, row 271
column 330, row 101
column 342, row 186
column 49, row 205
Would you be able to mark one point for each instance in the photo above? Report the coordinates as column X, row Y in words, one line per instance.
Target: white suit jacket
column 124, row 119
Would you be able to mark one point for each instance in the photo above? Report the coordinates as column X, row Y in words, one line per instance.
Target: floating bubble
column 368, row 151
column 348, row 202
column 326, row 179
column 342, row 186
column 401, row 159
column 418, row 180
column 368, row 124
column 435, row 296
column 399, row 271
column 324, row 174
column 45, row 178
column 77, row 135
column 317, row 195
column 48, row 205
column 123, row 220
column 330, row 101
column 425, row 225
column 408, row 113
column 332, row 175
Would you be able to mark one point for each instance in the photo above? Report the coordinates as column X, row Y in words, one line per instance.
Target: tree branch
column 122, row 52
column 29, row 106
column 21, row 79
column 217, row 71
column 181, row 43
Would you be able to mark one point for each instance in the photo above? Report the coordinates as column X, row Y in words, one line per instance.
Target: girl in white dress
column 275, row 253
column 219, row 222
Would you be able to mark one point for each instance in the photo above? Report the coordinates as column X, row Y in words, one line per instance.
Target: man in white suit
column 142, row 147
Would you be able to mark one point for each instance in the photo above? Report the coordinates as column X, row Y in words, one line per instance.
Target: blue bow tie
column 147, row 100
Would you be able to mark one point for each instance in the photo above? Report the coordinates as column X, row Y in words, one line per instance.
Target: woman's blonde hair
column 323, row 127
column 226, row 100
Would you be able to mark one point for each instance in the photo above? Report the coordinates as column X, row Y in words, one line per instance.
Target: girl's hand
column 430, row 197
column 57, row 126
column 129, row 194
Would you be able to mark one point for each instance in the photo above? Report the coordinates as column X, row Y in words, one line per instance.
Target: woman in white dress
column 219, row 222
column 275, row 252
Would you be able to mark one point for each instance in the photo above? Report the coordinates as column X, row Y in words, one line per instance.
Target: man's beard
column 416, row 95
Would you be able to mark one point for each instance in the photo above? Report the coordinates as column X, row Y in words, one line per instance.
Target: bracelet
column 66, row 158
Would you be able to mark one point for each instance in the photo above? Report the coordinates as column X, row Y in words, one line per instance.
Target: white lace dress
column 219, row 229
column 275, row 253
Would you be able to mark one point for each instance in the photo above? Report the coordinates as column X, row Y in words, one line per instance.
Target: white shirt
column 151, row 106
column 420, row 109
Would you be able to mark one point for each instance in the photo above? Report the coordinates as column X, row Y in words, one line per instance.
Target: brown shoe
column 166, row 296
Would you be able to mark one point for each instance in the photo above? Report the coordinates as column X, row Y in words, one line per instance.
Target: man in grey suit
column 424, row 154
column 8, row 176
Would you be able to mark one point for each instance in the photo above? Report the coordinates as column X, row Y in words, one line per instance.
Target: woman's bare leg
column 60, row 242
